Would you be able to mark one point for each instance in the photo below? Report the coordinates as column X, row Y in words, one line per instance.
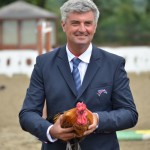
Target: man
column 104, row 86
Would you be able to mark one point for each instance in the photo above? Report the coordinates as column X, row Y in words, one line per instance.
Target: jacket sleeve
column 31, row 112
column 123, row 114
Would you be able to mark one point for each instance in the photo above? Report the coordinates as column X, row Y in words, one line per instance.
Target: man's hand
column 93, row 126
column 58, row 132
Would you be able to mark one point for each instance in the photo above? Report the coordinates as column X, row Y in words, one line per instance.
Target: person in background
column 102, row 84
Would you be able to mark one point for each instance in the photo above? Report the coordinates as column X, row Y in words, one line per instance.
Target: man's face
column 79, row 28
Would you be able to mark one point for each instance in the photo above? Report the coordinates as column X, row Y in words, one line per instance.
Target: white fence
column 137, row 58
column 17, row 62
column 22, row 61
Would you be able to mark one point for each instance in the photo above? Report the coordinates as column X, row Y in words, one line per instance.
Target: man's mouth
column 81, row 34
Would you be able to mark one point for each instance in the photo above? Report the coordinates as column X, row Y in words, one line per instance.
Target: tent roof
column 24, row 10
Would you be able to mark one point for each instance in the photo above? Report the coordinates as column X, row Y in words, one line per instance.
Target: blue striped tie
column 75, row 73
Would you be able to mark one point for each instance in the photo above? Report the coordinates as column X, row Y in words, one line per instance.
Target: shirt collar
column 85, row 57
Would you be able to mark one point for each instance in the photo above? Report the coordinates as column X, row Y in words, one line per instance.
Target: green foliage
column 54, row 6
column 123, row 22
column 5, row 2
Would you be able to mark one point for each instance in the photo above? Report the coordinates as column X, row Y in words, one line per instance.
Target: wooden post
column 19, row 44
column 40, row 39
column 47, row 42
column 44, row 29
column 48, row 37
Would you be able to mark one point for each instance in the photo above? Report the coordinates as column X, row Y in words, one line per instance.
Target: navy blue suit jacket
column 105, row 90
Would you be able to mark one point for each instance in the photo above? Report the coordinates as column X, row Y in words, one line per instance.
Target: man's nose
column 82, row 28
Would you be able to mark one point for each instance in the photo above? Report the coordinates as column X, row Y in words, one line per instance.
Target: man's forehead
column 80, row 13
column 77, row 16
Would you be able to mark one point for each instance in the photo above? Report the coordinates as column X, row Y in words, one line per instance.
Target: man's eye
column 75, row 23
column 88, row 23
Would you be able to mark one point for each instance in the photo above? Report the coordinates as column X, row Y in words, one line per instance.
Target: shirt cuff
column 98, row 119
column 49, row 136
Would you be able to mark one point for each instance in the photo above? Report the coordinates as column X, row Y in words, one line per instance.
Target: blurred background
column 31, row 27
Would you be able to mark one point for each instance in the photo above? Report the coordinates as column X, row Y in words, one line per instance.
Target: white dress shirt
column 85, row 59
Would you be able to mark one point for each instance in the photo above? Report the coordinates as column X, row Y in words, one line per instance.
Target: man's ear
column 95, row 28
column 63, row 25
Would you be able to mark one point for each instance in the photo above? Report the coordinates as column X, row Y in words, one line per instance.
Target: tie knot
column 76, row 62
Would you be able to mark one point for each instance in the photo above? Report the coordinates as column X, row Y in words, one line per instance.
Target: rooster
column 79, row 118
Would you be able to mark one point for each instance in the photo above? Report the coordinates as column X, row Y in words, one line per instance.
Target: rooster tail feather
column 74, row 146
column 68, row 147
column 56, row 117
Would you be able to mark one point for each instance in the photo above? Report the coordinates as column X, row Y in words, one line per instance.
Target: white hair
column 79, row 6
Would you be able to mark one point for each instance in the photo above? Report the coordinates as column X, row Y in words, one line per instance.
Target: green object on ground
column 133, row 135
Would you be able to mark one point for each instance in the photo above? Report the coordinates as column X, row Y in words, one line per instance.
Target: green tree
column 5, row 2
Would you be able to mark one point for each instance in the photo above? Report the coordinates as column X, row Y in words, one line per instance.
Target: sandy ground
column 11, row 98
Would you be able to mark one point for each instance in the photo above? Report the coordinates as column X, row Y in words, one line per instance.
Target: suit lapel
column 64, row 68
column 93, row 67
